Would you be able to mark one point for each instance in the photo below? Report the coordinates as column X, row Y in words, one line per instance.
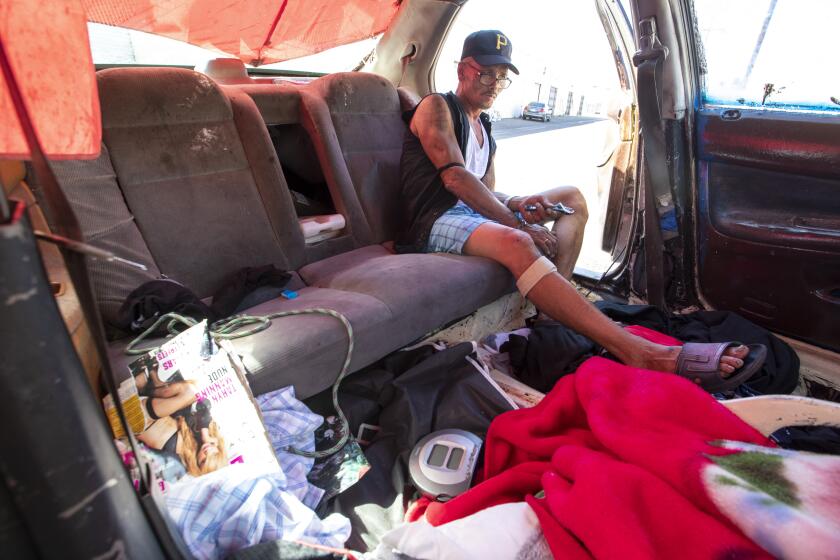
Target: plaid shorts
column 453, row 228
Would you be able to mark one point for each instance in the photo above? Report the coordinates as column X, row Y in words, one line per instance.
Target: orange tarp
column 48, row 48
column 255, row 31
column 50, row 55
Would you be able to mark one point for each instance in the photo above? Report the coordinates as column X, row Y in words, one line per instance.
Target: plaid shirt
column 238, row 506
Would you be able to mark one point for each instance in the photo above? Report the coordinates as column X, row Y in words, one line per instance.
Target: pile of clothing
column 617, row 461
column 612, row 461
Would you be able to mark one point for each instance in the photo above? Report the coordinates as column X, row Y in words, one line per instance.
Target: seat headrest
column 357, row 92
column 225, row 70
column 159, row 96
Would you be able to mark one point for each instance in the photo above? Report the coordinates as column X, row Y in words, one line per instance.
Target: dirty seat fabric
column 199, row 198
column 305, row 351
column 107, row 223
column 424, row 290
column 200, row 176
column 193, row 179
column 354, row 119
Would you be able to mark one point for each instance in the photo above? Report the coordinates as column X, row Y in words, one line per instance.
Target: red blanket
column 618, row 452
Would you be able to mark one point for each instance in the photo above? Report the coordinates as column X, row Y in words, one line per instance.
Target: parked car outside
column 537, row 110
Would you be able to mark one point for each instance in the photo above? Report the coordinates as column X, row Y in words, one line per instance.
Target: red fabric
column 53, row 68
column 618, row 452
column 255, row 31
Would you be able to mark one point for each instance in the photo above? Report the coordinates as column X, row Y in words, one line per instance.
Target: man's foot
column 664, row 358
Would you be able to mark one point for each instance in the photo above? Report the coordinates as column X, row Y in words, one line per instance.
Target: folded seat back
column 356, row 125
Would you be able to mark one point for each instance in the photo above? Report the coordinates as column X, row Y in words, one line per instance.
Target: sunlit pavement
column 534, row 156
column 509, row 128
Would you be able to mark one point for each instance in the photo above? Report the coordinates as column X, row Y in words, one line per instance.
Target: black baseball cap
column 489, row 47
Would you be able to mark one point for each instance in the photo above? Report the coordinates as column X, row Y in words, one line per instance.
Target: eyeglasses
column 488, row 79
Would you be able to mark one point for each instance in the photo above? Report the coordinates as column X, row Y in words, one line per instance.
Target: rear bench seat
column 188, row 182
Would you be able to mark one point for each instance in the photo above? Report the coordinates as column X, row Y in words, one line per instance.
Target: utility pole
column 760, row 41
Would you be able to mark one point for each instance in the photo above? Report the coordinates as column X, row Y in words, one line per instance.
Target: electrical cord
column 607, row 271
column 228, row 329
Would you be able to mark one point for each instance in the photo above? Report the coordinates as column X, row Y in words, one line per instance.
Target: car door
column 766, row 131
column 619, row 172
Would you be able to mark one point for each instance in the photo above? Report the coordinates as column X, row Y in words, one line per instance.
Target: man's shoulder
column 435, row 112
column 428, row 105
column 434, row 102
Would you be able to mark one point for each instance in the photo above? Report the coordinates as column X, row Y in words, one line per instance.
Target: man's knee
column 512, row 248
column 518, row 249
column 577, row 201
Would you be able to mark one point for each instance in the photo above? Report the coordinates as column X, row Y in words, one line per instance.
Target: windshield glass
column 769, row 53
column 116, row 45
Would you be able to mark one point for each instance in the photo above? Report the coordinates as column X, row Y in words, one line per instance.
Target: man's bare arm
column 432, row 124
column 489, row 178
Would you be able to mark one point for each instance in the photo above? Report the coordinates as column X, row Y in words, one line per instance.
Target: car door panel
column 769, row 219
column 794, row 143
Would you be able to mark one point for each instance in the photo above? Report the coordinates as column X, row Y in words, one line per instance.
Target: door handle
column 831, row 295
column 730, row 115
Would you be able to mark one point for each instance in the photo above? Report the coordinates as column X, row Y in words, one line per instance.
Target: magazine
column 188, row 402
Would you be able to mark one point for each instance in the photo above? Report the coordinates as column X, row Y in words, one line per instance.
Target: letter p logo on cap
column 501, row 41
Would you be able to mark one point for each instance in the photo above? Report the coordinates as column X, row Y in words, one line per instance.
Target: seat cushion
column 424, row 291
column 306, row 351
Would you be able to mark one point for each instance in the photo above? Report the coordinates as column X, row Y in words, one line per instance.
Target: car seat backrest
column 94, row 195
column 364, row 113
column 199, row 174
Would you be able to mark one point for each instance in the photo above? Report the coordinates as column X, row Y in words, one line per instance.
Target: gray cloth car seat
column 200, row 176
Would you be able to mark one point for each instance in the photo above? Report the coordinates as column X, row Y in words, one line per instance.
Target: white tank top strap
column 477, row 156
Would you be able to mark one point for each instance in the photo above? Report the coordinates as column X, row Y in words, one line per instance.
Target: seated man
column 448, row 188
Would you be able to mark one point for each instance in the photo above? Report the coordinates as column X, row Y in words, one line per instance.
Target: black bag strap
column 67, row 225
column 658, row 199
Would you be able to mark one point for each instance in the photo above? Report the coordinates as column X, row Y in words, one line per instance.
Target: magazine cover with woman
column 188, row 402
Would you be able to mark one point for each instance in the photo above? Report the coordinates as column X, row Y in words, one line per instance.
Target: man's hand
column 538, row 205
column 543, row 239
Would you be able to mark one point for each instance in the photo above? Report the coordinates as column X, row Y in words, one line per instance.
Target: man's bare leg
column 568, row 229
column 555, row 296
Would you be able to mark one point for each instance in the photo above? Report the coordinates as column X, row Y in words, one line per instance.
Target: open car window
column 769, row 53
column 116, row 45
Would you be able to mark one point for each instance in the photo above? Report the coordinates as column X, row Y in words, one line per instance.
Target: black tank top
column 424, row 197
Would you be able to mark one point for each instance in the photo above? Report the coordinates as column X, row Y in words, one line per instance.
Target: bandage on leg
column 538, row 269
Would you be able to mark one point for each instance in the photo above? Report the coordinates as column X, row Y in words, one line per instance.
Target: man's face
column 483, row 83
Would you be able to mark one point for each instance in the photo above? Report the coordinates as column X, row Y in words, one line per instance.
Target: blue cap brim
column 493, row 59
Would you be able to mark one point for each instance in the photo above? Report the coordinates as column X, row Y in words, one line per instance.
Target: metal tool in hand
column 555, row 210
